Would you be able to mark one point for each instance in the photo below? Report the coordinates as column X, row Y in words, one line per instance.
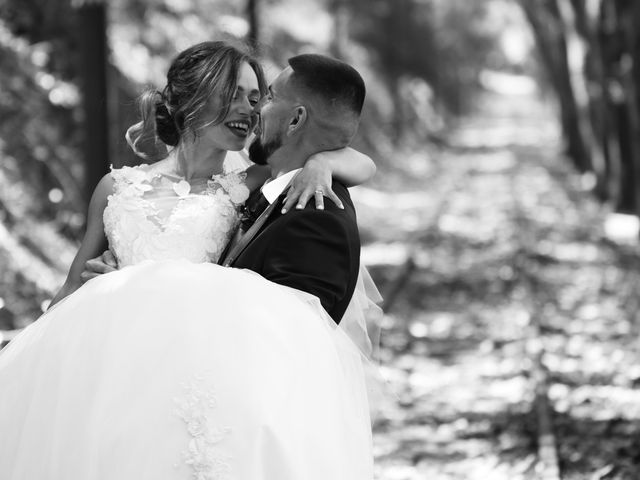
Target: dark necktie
column 253, row 208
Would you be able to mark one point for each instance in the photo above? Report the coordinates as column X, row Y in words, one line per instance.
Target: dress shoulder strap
column 130, row 175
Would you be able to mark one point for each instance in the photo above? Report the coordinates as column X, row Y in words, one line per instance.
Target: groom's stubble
column 259, row 152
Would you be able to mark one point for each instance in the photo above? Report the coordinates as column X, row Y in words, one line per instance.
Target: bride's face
column 232, row 132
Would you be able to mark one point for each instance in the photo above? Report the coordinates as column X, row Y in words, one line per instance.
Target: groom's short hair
column 337, row 83
column 335, row 91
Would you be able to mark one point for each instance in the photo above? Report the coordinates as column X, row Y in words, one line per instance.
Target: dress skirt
column 173, row 370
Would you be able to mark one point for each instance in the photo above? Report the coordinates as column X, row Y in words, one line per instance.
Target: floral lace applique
column 155, row 215
column 130, row 181
column 202, row 454
column 232, row 183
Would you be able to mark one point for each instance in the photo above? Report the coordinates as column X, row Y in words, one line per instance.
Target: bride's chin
column 241, row 144
column 235, row 148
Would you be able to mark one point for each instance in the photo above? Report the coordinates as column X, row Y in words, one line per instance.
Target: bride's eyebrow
column 253, row 91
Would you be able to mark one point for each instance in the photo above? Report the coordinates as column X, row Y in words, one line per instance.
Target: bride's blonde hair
column 171, row 115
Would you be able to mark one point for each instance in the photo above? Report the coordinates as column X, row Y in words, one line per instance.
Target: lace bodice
column 154, row 214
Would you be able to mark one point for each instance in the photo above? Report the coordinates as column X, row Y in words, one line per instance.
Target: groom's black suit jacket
column 316, row 251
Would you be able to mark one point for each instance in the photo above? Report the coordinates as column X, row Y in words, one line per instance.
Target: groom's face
column 273, row 118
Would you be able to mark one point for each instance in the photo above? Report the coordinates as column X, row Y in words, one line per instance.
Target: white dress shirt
column 274, row 188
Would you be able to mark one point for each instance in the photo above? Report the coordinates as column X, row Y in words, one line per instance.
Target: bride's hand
column 348, row 166
column 313, row 181
column 105, row 263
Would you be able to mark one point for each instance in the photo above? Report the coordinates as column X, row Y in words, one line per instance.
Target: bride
column 174, row 367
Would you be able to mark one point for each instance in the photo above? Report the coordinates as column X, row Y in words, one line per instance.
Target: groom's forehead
column 281, row 82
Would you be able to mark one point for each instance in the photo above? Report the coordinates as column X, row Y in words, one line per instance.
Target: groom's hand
column 105, row 263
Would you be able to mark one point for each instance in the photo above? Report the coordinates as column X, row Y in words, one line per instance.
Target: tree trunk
column 93, row 72
column 589, row 84
column 628, row 14
column 340, row 37
column 253, row 37
column 548, row 30
column 632, row 22
column 611, row 115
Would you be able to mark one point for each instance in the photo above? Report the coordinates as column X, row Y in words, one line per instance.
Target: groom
column 313, row 105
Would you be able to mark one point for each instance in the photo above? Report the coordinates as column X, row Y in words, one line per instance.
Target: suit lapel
column 240, row 242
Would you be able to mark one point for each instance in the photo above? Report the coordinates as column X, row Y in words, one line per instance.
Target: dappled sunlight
column 500, row 161
column 508, row 84
column 380, row 253
column 524, row 122
column 306, row 21
column 371, row 198
column 463, row 326
column 508, row 282
column 597, row 402
column 622, row 228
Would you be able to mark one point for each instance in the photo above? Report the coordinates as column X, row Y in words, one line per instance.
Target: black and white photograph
column 319, row 239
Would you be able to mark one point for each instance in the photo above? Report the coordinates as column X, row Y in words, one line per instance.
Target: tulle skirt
column 173, row 370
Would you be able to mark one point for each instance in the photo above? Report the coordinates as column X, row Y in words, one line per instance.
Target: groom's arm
column 310, row 252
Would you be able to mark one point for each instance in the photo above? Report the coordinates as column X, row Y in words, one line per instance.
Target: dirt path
column 515, row 301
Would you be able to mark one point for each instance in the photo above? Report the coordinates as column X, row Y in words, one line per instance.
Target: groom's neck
column 285, row 160
column 295, row 154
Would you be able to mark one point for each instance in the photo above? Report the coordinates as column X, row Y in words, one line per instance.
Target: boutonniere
column 182, row 188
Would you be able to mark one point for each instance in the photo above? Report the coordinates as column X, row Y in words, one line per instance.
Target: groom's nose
column 261, row 103
column 255, row 118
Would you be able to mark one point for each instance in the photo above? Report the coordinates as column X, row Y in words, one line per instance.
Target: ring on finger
column 319, row 195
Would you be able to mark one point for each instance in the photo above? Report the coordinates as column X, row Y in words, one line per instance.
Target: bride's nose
column 244, row 105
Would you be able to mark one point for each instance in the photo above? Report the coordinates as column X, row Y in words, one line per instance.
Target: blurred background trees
column 72, row 69
column 591, row 54
column 477, row 231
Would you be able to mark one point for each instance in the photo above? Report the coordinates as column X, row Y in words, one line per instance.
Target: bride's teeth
column 241, row 126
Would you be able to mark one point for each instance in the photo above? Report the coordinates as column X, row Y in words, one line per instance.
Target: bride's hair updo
column 197, row 73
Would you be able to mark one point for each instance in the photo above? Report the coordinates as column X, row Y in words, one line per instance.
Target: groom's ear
column 298, row 119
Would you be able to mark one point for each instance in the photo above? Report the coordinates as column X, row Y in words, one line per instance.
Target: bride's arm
column 94, row 241
column 346, row 165
column 350, row 167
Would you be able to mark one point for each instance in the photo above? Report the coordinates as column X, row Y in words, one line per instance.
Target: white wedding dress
column 175, row 368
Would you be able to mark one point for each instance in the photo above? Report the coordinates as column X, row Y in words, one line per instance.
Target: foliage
column 591, row 54
column 444, row 43
column 48, row 23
